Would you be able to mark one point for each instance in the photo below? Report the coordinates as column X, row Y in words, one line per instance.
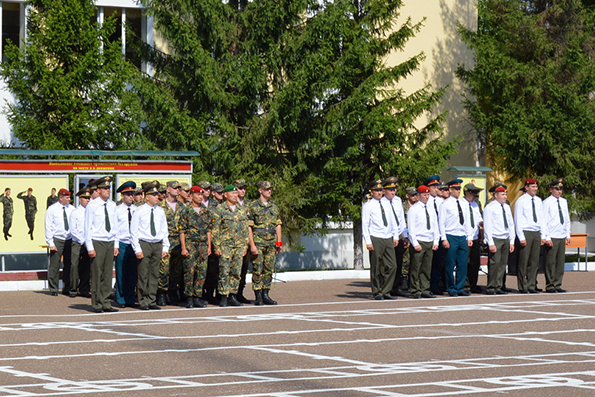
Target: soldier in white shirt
column 126, row 262
column 457, row 237
column 530, row 229
column 102, row 244
column 499, row 236
column 437, row 277
column 150, row 243
column 471, row 193
column 424, row 237
column 557, row 223
column 59, row 239
column 381, row 235
column 80, row 271
column 390, row 189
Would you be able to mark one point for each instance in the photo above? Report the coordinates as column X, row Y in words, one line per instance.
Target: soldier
column 396, row 205
column 411, row 198
column 210, row 287
column 230, row 240
column 59, row 239
column 170, row 271
column 162, row 192
column 8, row 212
column 424, row 237
column 30, row 202
column 149, row 231
column 499, row 236
column 100, row 238
column 265, row 242
column 381, row 235
column 532, row 234
column 471, row 193
column 184, row 197
column 138, row 197
column 557, row 222
column 240, row 184
column 126, row 263
column 194, row 224
column 80, row 271
column 52, row 198
column 438, row 277
column 217, row 190
column 457, row 237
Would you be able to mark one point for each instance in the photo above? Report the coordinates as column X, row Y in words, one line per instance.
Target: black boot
column 189, row 303
column 241, row 298
column 223, row 301
column 233, row 301
column 198, row 302
column 258, row 295
column 173, row 297
column 161, row 298
column 266, row 298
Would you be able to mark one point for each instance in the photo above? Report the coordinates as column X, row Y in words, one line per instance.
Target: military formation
column 170, row 244
column 439, row 233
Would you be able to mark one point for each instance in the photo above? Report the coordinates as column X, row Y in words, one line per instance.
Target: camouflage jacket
column 7, row 202
column 195, row 225
column 30, row 203
column 171, row 217
column 264, row 219
column 230, row 228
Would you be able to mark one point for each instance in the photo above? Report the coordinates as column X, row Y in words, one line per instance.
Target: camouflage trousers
column 263, row 267
column 195, row 267
column 170, row 268
column 406, row 262
column 230, row 268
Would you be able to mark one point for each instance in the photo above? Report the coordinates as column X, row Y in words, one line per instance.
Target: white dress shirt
column 140, row 228
column 493, row 223
column 54, row 223
column 556, row 229
column 123, row 231
column 418, row 224
column 434, row 202
column 449, row 220
column 95, row 225
column 397, row 204
column 523, row 216
column 474, row 205
column 77, row 224
column 373, row 224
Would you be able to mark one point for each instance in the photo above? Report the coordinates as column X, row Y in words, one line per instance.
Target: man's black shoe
column 438, row 292
column 53, row 293
column 453, row 294
column 110, row 310
column 560, row 290
column 416, row 296
column 379, row 297
column 121, row 305
column 98, row 310
column 161, row 299
column 551, row 291
column 390, row 297
column 223, row 301
column 144, row 307
column 501, row 292
column 464, row 293
column 198, row 302
column 154, row 307
column 190, row 303
column 491, row 292
column 232, row 301
column 533, row 291
column 523, row 292
column 266, row 298
column 476, row 290
column 428, row 295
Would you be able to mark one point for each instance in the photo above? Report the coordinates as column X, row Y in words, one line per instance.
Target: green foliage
column 531, row 91
column 69, row 81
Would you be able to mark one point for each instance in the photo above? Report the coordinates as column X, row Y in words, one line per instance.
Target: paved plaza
column 326, row 338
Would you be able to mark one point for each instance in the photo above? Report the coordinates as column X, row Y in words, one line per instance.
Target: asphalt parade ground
column 325, row 338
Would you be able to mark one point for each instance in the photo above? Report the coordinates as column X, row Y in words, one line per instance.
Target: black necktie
column 383, row 214
column 534, row 213
column 129, row 218
column 435, row 206
column 153, row 231
column 559, row 212
column 461, row 218
column 108, row 226
column 427, row 217
column 66, row 218
column 471, row 216
column 504, row 216
column 394, row 213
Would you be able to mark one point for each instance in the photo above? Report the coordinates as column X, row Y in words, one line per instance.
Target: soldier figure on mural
column 265, row 242
column 52, row 198
column 230, row 242
column 194, row 224
column 8, row 212
column 30, row 202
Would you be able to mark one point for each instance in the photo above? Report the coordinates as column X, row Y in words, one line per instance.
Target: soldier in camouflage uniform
column 30, row 202
column 212, row 278
column 138, row 197
column 265, row 242
column 6, row 201
column 184, row 197
column 194, row 224
column 217, row 190
column 170, row 269
column 243, row 202
column 230, row 240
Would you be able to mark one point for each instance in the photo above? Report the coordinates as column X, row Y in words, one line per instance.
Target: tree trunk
column 358, row 252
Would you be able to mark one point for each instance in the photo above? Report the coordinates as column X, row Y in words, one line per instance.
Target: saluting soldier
column 194, row 224
column 102, row 245
column 265, row 242
column 126, row 263
column 149, row 231
column 30, row 202
column 80, row 270
column 59, row 238
column 230, row 242
column 424, row 237
column 170, row 271
column 8, row 212
column 557, row 222
column 499, row 233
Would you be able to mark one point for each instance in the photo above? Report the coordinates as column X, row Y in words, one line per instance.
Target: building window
column 11, row 25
